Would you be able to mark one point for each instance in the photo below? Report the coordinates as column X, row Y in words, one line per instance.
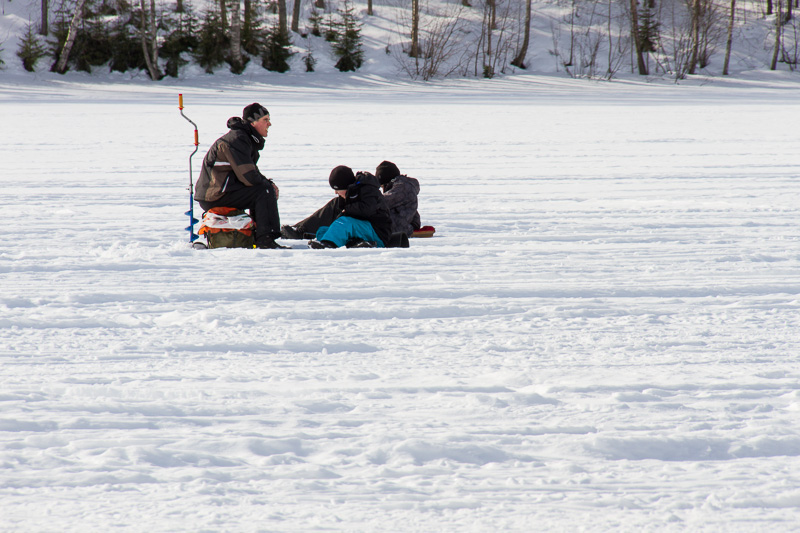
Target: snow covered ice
column 602, row 335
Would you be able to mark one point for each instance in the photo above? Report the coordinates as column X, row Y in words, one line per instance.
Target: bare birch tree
column 442, row 48
column 296, row 15
column 236, row 61
column 696, row 11
column 490, row 16
column 729, row 41
column 43, row 27
column 149, row 40
column 519, row 60
column 283, row 17
column 778, row 31
column 414, row 51
column 637, row 39
column 72, row 33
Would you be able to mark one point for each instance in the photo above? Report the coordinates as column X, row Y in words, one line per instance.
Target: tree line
column 139, row 35
column 589, row 38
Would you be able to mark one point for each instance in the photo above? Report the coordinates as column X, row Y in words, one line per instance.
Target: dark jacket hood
column 413, row 183
column 238, row 123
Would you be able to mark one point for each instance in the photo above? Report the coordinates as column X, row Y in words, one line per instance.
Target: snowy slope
column 557, row 33
column 602, row 335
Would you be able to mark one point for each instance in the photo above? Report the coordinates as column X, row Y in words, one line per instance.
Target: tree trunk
column 61, row 65
column 179, row 6
column 43, row 27
column 282, row 17
column 152, row 67
column 489, row 19
column 572, row 35
column 778, row 28
column 640, row 64
column 695, row 37
column 369, row 7
column 729, row 43
column 223, row 13
column 236, row 37
column 154, row 36
column 296, row 16
column 519, row 61
column 414, row 52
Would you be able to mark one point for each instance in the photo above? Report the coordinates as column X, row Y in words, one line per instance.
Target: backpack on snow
column 227, row 227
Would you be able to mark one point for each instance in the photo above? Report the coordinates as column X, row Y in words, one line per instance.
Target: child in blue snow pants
column 344, row 229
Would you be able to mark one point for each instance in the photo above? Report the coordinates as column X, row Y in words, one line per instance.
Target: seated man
column 364, row 218
column 400, row 193
column 229, row 176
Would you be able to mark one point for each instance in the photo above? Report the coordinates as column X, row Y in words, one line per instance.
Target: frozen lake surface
column 602, row 335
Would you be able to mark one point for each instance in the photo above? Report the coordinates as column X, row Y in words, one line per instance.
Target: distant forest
column 478, row 38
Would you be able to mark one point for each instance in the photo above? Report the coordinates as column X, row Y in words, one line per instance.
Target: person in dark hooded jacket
column 229, row 176
column 400, row 193
column 364, row 219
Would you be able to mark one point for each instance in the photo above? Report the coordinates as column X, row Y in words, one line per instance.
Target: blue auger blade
column 192, row 235
column 190, row 228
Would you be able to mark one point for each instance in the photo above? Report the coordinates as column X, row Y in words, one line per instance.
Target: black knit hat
column 386, row 172
column 253, row 112
column 341, row 177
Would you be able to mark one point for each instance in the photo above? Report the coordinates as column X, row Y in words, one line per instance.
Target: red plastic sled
column 424, row 231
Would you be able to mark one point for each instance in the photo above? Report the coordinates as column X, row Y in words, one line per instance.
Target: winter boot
column 398, row 240
column 270, row 245
column 291, row 232
column 320, row 245
column 355, row 242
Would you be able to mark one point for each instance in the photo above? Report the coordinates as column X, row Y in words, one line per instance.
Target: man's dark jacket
column 230, row 163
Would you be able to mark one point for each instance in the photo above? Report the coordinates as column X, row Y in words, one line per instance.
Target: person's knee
column 264, row 195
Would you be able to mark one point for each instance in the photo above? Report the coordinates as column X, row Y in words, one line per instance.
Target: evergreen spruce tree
column 314, row 18
column 126, row 53
column 212, row 42
column 332, row 28
column 180, row 38
column 277, row 50
column 348, row 47
column 253, row 34
column 309, row 60
column 649, row 28
column 31, row 49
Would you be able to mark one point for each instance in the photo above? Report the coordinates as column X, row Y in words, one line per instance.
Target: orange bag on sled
column 227, row 227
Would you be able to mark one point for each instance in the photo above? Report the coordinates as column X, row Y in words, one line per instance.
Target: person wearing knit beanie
column 253, row 112
column 386, row 172
column 364, row 219
column 341, row 178
column 400, row 193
